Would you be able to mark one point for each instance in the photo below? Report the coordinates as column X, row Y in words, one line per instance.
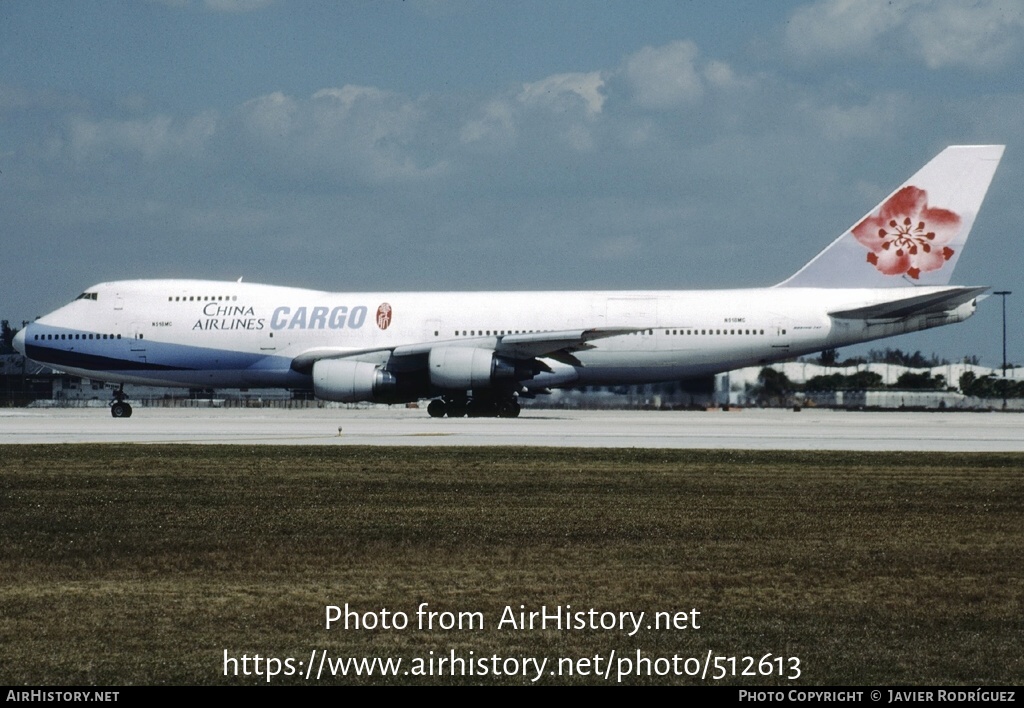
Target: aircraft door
column 781, row 335
column 137, row 342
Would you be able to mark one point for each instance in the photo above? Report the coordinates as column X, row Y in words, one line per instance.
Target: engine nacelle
column 351, row 381
column 462, row 368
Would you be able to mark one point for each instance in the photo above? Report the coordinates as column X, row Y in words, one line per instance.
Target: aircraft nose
column 19, row 340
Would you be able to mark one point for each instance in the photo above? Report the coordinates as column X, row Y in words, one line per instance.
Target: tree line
column 774, row 387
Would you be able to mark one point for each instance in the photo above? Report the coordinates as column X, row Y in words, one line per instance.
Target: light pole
column 1003, row 294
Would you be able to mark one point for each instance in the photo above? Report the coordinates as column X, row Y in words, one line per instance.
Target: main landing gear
column 120, row 408
column 474, row 408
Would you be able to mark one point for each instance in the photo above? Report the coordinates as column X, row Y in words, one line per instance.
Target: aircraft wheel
column 456, row 409
column 121, row 410
column 508, row 409
column 436, row 408
column 482, row 409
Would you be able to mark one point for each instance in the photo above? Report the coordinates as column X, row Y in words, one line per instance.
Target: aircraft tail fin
column 914, row 236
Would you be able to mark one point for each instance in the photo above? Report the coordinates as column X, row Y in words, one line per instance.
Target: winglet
column 916, row 235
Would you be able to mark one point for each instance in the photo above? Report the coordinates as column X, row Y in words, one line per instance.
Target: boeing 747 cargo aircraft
column 477, row 353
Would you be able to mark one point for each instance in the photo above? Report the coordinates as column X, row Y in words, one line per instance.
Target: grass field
column 143, row 564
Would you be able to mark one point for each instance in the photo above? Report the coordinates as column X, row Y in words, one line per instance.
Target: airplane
column 478, row 353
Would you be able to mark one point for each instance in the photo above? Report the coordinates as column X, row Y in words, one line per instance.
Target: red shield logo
column 384, row 315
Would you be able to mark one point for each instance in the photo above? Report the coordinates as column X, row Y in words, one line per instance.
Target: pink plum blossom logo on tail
column 908, row 237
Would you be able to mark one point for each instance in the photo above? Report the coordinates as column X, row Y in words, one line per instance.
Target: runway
column 750, row 429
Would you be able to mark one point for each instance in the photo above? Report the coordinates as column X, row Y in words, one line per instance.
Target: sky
column 468, row 145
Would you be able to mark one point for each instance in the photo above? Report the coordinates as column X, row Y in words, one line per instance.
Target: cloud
column 494, row 123
column 270, row 116
column 358, row 133
column 878, row 117
column 665, row 77
column 559, row 108
column 151, row 140
column 721, row 76
column 563, row 92
column 567, row 114
column 984, row 34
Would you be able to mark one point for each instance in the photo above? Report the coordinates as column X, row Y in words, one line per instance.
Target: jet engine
column 464, row 368
column 350, row 381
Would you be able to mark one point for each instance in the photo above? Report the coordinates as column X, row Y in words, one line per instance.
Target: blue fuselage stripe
column 136, row 355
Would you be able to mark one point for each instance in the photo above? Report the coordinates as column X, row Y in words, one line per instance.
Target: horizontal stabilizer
column 932, row 303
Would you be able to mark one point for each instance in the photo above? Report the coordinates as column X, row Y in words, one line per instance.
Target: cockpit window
column 86, row 296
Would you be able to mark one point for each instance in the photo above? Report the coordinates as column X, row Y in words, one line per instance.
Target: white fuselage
column 205, row 334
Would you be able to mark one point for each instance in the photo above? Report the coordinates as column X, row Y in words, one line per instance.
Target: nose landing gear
column 120, row 408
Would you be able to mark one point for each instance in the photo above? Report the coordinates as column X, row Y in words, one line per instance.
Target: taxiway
column 808, row 429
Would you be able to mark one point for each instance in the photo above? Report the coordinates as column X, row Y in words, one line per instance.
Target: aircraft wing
column 528, row 345
column 558, row 345
column 932, row 303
